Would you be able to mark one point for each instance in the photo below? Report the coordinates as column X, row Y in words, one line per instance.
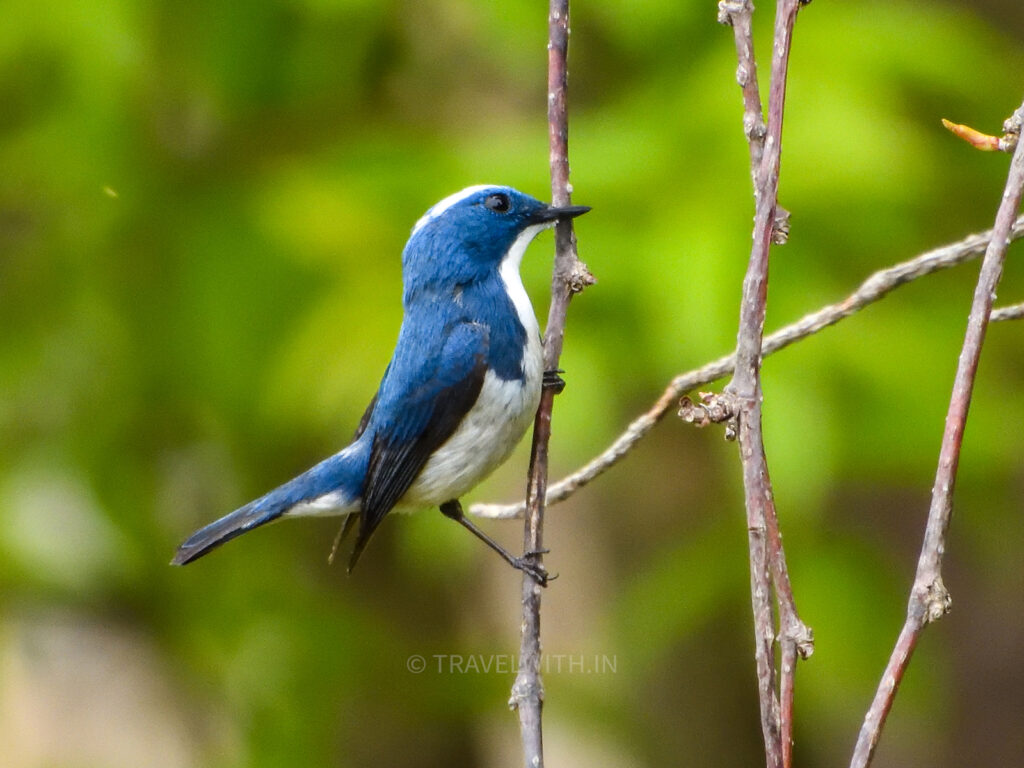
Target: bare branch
column 765, row 542
column 877, row 286
column 1012, row 312
column 738, row 14
column 569, row 276
column 929, row 599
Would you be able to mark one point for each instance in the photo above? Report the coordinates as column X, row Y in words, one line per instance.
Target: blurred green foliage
column 202, row 206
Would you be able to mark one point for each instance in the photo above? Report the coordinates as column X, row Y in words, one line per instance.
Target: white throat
column 508, row 270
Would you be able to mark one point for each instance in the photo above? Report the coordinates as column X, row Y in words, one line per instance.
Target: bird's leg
column 453, row 509
column 552, row 380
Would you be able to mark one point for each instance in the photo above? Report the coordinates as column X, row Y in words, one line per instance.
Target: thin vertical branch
column 929, row 600
column 569, row 276
column 796, row 640
column 739, row 15
column 767, row 559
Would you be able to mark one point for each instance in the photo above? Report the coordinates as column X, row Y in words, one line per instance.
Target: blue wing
column 432, row 382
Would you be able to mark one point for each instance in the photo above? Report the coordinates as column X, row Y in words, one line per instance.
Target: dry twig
column 767, row 558
column 1011, row 312
column 738, row 14
column 929, row 600
column 570, row 276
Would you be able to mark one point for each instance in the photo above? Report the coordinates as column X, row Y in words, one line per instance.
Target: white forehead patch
column 440, row 207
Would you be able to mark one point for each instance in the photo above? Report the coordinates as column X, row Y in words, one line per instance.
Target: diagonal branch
column 877, row 286
column 569, row 276
column 929, row 600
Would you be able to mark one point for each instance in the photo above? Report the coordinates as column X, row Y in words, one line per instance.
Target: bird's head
column 471, row 234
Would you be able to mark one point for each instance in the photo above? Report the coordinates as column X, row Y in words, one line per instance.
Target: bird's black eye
column 498, row 202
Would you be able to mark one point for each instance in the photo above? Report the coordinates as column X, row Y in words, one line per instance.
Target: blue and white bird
column 459, row 393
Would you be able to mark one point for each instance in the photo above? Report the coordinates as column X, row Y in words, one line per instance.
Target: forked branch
column 767, row 558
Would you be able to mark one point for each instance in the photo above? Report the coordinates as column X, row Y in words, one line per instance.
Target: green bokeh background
column 202, row 206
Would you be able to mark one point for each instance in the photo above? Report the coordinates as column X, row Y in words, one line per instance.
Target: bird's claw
column 536, row 570
column 553, row 381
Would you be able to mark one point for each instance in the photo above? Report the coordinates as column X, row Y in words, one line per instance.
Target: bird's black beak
column 554, row 213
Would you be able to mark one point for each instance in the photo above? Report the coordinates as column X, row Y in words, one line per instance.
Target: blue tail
column 252, row 515
column 342, row 473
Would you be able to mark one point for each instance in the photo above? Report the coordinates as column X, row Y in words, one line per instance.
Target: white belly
column 485, row 438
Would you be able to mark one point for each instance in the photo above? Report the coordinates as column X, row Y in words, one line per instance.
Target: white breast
column 485, row 438
column 502, row 413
